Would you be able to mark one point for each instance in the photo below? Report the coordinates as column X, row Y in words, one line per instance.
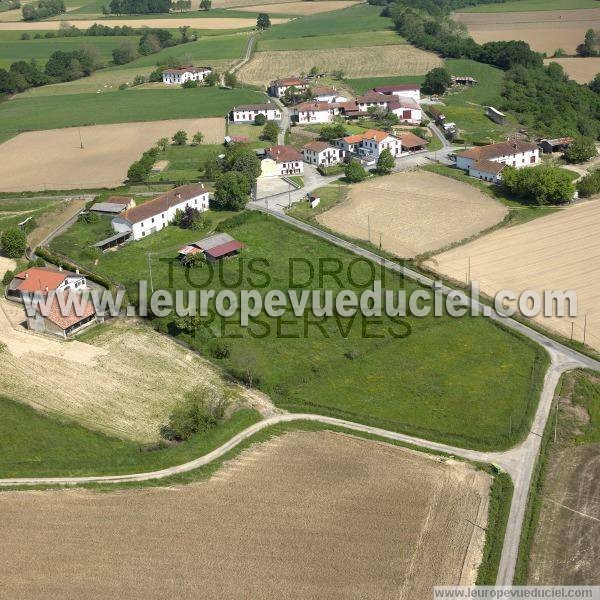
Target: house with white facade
column 369, row 145
column 402, row 90
column 154, row 215
column 282, row 160
column 407, row 111
column 373, row 100
column 321, row 154
column 183, row 74
column 315, row 112
column 248, row 112
column 518, row 154
column 327, row 94
column 40, row 281
column 278, row 87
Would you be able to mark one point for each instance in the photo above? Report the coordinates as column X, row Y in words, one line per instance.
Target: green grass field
column 363, row 84
column 185, row 162
column 48, row 112
column 444, row 381
column 352, row 40
column 14, row 211
column 523, row 5
column 355, row 19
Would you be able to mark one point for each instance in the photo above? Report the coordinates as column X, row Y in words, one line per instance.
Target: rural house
column 369, row 144
column 156, row 214
column 39, row 281
column 316, row 112
column 407, row 111
column 282, row 160
column 321, row 154
column 248, row 112
column 183, row 74
column 486, row 170
column 278, row 87
column 327, row 94
column 373, row 100
column 513, row 153
column 402, row 90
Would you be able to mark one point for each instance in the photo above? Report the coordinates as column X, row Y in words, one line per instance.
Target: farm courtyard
column 108, row 150
column 402, row 59
column 391, row 523
column 539, row 255
column 413, row 212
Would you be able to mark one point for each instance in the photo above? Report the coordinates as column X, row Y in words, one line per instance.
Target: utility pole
column 80, row 138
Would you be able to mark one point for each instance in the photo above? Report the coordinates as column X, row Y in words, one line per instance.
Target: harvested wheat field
column 26, row 164
column 174, row 23
column 413, row 212
column 560, row 251
column 304, row 515
column 355, row 62
column 544, row 31
column 127, row 380
column 582, row 70
column 300, row 8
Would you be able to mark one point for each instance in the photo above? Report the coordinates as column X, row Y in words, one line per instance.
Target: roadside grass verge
column 426, row 381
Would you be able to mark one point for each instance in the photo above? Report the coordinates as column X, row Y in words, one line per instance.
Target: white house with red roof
column 40, row 281
column 402, row 90
column 246, row 113
column 369, row 144
column 282, row 160
column 327, row 94
column 321, row 154
column 183, row 74
column 152, row 216
column 316, row 112
column 278, row 87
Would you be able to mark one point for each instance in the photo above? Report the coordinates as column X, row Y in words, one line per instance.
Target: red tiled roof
column 163, row 202
column 370, row 134
column 371, row 97
column 224, row 249
column 410, row 140
column 282, row 154
column 288, row 81
column 37, row 279
column 324, row 91
column 317, row 146
column 488, row 166
column 496, row 150
column 64, row 322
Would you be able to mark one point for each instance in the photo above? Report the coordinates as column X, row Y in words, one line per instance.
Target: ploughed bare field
column 300, row 8
column 174, row 23
column 54, row 160
column 413, row 212
column 557, row 252
column 582, row 70
column 544, row 31
column 304, row 515
column 356, row 62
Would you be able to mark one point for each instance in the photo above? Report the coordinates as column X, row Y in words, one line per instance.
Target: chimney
column 77, row 270
column 26, row 275
column 60, row 269
column 178, row 194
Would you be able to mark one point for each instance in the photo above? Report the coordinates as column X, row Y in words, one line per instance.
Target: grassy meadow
column 526, row 5
column 443, row 379
column 363, row 84
column 318, row 42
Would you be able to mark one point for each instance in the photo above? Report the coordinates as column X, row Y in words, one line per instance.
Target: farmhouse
column 278, row 87
column 248, row 112
column 513, row 153
column 407, row 110
column 403, row 90
column 39, row 281
column 316, row 112
column 156, row 214
column 327, row 94
column 369, row 144
column 113, row 205
column 487, row 170
column 321, row 154
column 183, row 74
column 373, row 100
column 282, row 160
column 556, row 145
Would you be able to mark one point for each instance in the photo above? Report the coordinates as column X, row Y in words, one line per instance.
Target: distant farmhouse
column 278, row 87
column 316, row 112
column 327, row 94
column 38, row 281
column 321, row 154
column 487, row 162
column 183, row 74
column 154, row 215
column 369, row 145
column 282, row 160
column 248, row 112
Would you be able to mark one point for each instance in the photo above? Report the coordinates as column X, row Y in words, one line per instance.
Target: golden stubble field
column 560, row 251
column 54, row 160
column 413, row 212
column 124, row 383
column 300, row 8
column 355, row 62
column 582, row 70
column 304, row 515
column 544, row 31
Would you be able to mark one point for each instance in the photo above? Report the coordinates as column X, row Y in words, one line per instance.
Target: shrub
column 539, row 185
column 190, row 83
column 581, row 150
column 270, row 132
column 88, row 217
column 220, row 350
column 180, row 138
column 589, row 185
column 385, row 162
column 13, row 242
column 355, row 172
column 8, row 277
column 260, row 119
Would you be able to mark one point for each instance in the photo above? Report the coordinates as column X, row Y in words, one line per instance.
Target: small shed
column 464, row 80
column 113, row 241
column 113, row 205
column 223, row 251
column 555, row 145
column 495, row 115
column 313, row 200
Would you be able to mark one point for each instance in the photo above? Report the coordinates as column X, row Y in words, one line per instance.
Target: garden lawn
column 461, row 381
column 50, row 112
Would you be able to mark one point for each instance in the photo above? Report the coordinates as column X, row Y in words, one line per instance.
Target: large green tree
column 437, row 81
column 539, row 185
column 385, row 162
column 14, row 242
column 232, row 190
column 355, row 172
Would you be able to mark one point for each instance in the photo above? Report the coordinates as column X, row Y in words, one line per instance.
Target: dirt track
column 414, row 211
column 544, row 31
column 306, row 515
column 26, row 164
column 560, row 251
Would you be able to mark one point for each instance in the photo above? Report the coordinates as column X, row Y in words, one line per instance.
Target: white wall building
column 154, row 215
column 282, row 160
column 321, row 154
column 403, row 90
column 183, row 74
column 369, row 144
column 327, row 94
column 248, row 112
column 39, row 281
column 278, row 87
column 407, row 111
column 316, row 112
column 512, row 153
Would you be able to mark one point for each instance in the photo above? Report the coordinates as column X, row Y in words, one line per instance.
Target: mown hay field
column 582, row 70
column 27, row 165
column 557, row 252
column 544, row 32
column 355, row 62
column 300, row 8
column 413, row 212
column 391, row 523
